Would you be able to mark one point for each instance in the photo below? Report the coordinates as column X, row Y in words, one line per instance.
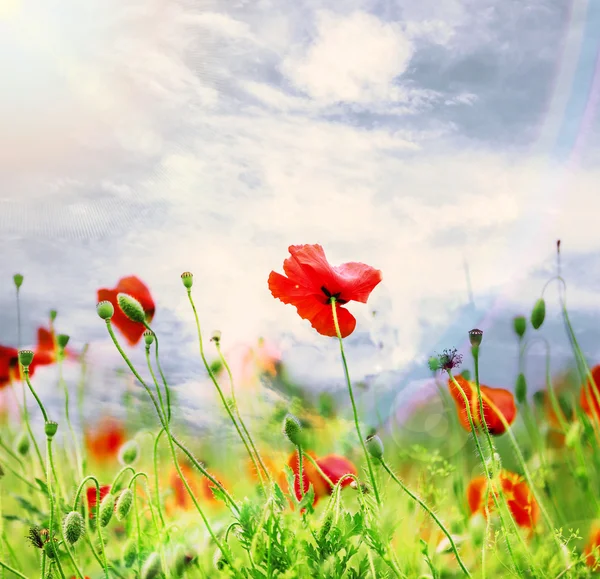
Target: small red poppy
column 134, row 287
column 590, row 395
column 104, row 441
column 519, row 498
column 335, row 467
column 311, row 282
column 495, row 401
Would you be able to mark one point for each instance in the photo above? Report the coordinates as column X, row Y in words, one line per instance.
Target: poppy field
column 304, row 489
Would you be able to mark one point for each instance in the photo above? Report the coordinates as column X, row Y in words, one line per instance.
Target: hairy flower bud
column 124, row 504
column 520, row 325
column 188, row 279
column 50, row 428
column 131, row 308
column 152, row 567
column 23, row 444
column 50, row 549
column 105, row 310
column 25, row 358
column 130, row 553
column 375, row 446
column 107, row 507
column 73, row 527
column 538, row 314
column 129, row 452
column 292, row 429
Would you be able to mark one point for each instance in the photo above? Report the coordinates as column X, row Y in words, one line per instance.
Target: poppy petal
column 335, row 467
column 358, row 280
column 590, row 396
column 309, row 267
column 475, row 495
column 45, row 340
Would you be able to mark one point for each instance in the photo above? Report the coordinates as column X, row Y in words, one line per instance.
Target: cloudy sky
column 151, row 137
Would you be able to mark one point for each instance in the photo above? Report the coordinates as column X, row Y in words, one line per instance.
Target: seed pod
column 73, row 527
column 475, row 337
column 538, row 314
column 105, row 310
column 131, row 308
column 18, row 279
column 188, row 279
column 130, row 553
column 62, row 340
column 107, row 507
column 375, row 446
column 520, row 325
column 152, row 567
column 124, row 504
column 50, row 428
column 521, row 388
column 26, row 357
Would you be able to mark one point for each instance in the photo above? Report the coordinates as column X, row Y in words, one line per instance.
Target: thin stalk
column 67, row 415
column 13, row 571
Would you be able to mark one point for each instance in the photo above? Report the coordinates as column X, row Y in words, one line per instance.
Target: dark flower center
column 330, row 296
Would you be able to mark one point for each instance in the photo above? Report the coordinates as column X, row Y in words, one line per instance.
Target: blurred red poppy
column 104, row 441
column 133, row 286
column 592, row 549
column 496, row 401
column 92, row 498
column 590, row 395
column 311, row 282
column 198, row 483
column 519, row 498
column 46, row 351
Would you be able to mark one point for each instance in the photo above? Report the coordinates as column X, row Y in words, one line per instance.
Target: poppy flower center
column 334, row 296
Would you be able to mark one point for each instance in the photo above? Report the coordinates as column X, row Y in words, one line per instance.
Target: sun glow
column 9, row 8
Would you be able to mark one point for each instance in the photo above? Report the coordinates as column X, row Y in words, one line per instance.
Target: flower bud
column 292, row 429
column 520, row 325
column 105, row 310
column 73, row 527
column 434, row 363
column 62, row 340
column 521, row 388
column 22, row 444
column 124, row 504
column 50, row 549
column 50, row 428
column 18, row 279
column 219, row 561
column 538, row 313
column 25, row 358
column 107, row 507
column 477, row 526
column 129, row 452
column 130, row 553
column 475, row 337
column 148, row 337
column 131, row 308
column 188, row 279
column 375, row 446
column 53, row 314
column 152, row 567
column 216, row 336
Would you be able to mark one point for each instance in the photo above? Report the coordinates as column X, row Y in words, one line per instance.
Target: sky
column 150, row 137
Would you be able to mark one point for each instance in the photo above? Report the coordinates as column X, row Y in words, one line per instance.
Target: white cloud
column 355, row 58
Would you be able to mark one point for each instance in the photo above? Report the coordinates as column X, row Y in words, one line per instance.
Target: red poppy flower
column 134, row 287
column 519, row 498
column 592, row 550
column 496, row 401
column 199, row 484
column 311, row 283
column 91, row 497
column 335, row 467
column 46, row 351
column 590, row 395
column 105, row 440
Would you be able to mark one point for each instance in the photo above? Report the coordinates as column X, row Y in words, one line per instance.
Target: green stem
column 354, row 410
column 67, row 415
column 164, row 380
column 156, row 482
column 14, row 571
column 49, row 471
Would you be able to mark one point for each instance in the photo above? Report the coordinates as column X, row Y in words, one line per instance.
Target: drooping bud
column 216, row 336
column 375, row 446
column 62, row 340
column 18, row 279
column 22, row 444
column 148, row 337
column 152, row 567
column 188, row 279
column 50, row 428
column 475, row 337
column 292, row 429
column 107, row 508
column 25, row 358
column 219, row 561
column 124, row 504
column 130, row 553
column 520, row 326
column 73, row 527
column 105, row 310
column 521, row 388
column 538, row 313
column 131, row 308
column 129, row 452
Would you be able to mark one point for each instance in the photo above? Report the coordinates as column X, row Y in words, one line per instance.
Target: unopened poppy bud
column 124, row 504
column 477, row 525
column 50, row 549
column 434, row 363
column 375, row 446
column 148, row 337
column 216, row 336
column 188, row 279
column 107, row 508
column 62, row 340
column 50, row 428
column 475, row 337
column 25, row 358
column 130, row 553
column 521, row 388
column 18, row 279
column 538, row 313
column 520, row 325
column 73, row 527
column 131, row 308
column 22, row 444
column 129, row 452
column 152, row 567
column 105, row 310
column 219, row 561
column 292, row 429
